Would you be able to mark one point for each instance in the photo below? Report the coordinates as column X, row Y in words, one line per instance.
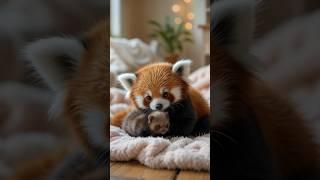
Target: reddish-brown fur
column 88, row 87
column 152, row 77
column 285, row 131
column 37, row 169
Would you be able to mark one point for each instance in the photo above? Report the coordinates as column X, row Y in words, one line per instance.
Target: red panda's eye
column 165, row 94
column 148, row 98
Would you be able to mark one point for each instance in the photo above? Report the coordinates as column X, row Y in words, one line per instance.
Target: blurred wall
column 273, row 13
column 135, row 15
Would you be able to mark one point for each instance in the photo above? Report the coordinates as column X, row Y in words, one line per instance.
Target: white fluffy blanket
column 191, row 153
column 128, row 54
column 158, row 152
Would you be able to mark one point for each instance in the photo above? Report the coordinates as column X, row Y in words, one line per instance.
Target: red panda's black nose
column 159, row 106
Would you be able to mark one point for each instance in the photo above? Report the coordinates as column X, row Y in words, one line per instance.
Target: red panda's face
column 157, row 86
column 157, row 98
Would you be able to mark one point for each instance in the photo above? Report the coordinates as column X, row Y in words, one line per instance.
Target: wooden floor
column 134, row 170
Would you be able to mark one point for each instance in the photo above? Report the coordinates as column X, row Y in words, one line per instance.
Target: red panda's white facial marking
column 176, row 92
column 139, row 101
column 148, row 93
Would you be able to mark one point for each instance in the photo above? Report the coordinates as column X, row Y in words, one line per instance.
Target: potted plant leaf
column 171, row 37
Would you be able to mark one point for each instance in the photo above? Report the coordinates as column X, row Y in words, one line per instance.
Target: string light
column 176, row 8
column 178, row 20
column 188, row 26
column 190, row 15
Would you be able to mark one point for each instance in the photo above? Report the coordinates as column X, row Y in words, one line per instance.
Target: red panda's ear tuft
column 55, row 59
column 127, row 80
column 182, row 68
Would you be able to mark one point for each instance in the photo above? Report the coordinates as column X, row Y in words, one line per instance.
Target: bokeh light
column 176, row 8
column 178, row 20
column 190, row 15
column 188, row 26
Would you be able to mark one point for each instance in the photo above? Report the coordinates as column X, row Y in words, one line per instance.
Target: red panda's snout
column 159, row 104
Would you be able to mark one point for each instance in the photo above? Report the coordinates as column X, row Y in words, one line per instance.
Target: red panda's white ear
column 127, row 80
column 182, row 68
column 55, row 59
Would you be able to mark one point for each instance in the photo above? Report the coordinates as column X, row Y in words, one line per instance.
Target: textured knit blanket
column 191, row 153
column 158, row 152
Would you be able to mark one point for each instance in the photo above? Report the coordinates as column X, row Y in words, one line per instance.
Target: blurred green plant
column 170, row 36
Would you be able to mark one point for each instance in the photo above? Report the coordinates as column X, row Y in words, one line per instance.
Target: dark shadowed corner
column 52, row 125
column 265, row 123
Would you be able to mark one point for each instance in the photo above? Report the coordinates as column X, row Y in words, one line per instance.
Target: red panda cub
column 76, row 69
column 256, row 132
column 164, row 87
